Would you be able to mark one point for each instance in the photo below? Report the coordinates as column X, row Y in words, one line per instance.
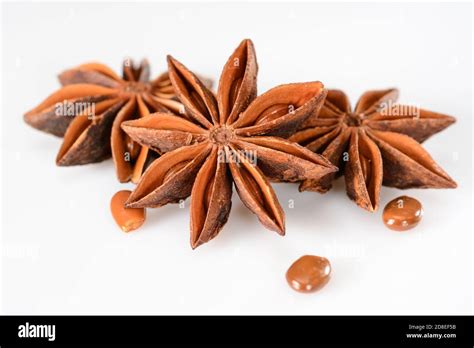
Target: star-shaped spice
column 376, row 143
column 227, row 139
column 90, row 107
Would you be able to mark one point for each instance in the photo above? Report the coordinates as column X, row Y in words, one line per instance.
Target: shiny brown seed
column 309, row 273
column 402, row 213
column 128, row 219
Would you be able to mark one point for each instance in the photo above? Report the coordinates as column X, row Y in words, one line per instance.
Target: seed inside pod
column 128, row 219
column 309, row 273
column 402, row 213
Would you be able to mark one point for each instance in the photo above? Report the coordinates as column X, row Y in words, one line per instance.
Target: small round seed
column 309, row 273
column 128, row 219
column 402, row 213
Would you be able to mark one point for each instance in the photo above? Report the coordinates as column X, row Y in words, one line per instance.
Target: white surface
column 63, row 254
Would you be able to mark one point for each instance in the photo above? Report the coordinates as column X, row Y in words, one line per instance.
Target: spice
column 309, row 273
column 376, row 143
column 90, row 107
column 402, row 213
column 227, row 140
column 128, row 219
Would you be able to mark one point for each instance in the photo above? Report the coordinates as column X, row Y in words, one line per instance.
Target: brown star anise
column 376, row 143
column 224, row 140
column 90, row 107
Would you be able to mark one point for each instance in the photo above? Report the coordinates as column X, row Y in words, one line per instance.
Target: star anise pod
column 376, row 143
column 227, row 139
column 99, row 101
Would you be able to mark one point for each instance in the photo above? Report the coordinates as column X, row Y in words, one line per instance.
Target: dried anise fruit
column 90, row 107
column 224, row 140
column 376, row 143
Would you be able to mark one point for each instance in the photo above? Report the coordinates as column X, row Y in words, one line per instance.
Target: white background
column 63, row 253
